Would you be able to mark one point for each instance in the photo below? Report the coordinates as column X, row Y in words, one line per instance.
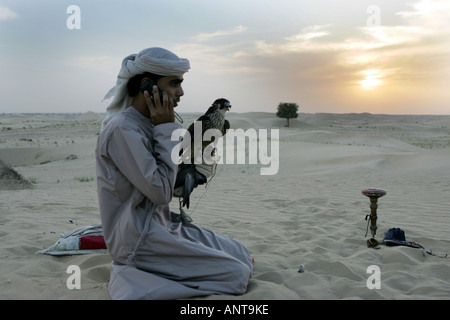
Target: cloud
column 305, row 41
column 367, row 46
column 220, row 33
column 308, row 33
column 415, row 49
column 434, row 11
column 6, row 14
column 211, row 56
column 405, row 59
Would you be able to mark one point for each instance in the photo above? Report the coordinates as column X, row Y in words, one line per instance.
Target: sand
column 310, row 213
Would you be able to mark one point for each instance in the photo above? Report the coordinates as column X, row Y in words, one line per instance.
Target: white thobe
column 154, row 256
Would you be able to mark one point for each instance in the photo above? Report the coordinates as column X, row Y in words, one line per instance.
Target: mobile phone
column 148, row 86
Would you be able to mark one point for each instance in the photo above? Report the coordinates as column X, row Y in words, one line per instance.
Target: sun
column 370, row 84
column 372, row 79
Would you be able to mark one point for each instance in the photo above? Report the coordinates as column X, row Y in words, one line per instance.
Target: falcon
column 214, row 118
column 189, row 177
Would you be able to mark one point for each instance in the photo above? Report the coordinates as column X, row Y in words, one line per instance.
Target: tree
column 287, row 111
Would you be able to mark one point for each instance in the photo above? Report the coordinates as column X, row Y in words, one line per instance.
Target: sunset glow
column 324, row 55
column 372, row 79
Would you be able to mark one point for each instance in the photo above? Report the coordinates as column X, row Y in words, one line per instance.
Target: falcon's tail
column 188, row 179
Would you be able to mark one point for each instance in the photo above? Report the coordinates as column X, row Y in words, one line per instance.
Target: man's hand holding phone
column 160, row 105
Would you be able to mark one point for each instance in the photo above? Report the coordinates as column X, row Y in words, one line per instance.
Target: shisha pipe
column 373, row 195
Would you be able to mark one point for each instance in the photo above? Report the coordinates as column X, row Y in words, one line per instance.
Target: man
column 155, row 256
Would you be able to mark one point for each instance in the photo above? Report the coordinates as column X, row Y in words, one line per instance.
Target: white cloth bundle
column 69, row 242
column 154, row 60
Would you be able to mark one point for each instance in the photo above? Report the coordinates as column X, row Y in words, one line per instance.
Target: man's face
column 172, row 85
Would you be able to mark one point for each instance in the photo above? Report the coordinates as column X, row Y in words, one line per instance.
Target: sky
column 376, row 56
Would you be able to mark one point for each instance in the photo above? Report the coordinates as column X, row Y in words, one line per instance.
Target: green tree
column 287, row 111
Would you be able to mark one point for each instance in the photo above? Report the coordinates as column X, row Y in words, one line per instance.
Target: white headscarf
column 154, row 60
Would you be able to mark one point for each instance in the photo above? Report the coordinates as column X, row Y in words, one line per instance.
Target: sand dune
column 310, row 213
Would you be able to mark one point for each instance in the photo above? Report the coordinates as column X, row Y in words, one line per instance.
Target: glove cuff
column 206, row 169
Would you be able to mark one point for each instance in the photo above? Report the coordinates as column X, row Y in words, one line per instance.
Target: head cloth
column 154, row 60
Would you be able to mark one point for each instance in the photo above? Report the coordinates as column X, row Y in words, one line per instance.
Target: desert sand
column 310, row 213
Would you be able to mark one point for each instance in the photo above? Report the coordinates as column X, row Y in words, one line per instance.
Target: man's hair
column 134, row 84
